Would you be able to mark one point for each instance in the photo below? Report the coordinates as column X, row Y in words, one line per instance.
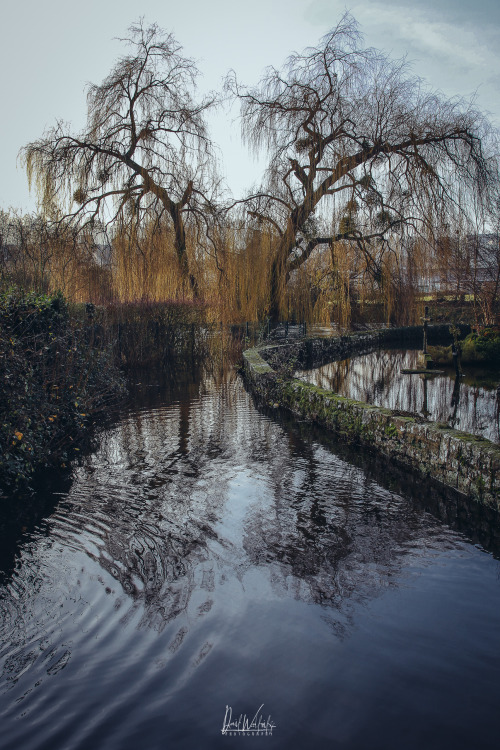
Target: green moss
column 468, row 438
column 376, row 426
column 390, row 430
column 258, row 365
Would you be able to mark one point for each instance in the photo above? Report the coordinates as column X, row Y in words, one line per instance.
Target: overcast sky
column 50, row 49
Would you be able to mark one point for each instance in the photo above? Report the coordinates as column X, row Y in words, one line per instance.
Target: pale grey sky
column 51, row 49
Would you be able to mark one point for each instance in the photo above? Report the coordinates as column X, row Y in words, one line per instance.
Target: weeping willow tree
column 343, row 122
column 145, row 149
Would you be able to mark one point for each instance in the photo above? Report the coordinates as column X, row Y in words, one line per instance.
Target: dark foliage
column 54, row 381
column 482, row 346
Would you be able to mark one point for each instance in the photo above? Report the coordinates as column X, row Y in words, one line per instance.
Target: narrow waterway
column 211, row 556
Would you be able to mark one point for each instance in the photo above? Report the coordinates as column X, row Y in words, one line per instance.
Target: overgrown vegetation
column 128, row 272
column 55, row 380
column 481, row 347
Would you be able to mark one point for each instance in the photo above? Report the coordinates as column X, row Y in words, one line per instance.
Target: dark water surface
column 469, row 403
column 209, row 555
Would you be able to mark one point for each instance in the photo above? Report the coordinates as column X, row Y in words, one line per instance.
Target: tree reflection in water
column 469, row 404
column 190, row 510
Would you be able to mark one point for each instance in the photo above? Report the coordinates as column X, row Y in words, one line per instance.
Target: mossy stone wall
column 464, row 462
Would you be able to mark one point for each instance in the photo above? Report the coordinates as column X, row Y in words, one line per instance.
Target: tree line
column 374, row 185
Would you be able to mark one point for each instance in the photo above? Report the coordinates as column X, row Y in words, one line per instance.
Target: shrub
column 54, row 382
column 441, row 355
column 482, row 346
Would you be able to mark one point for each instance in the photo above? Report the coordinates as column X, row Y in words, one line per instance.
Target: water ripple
column 209, row 553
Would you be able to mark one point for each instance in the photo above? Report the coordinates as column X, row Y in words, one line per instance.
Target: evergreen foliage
column 54, row 382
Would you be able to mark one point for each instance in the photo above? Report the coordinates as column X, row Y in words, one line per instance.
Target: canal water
column 211, row 560
column 469, row 403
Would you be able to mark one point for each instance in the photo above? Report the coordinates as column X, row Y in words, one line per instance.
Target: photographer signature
column 243, row 725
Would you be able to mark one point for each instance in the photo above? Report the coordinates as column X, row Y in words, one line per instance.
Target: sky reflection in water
column 209, row 555
column 469, row 404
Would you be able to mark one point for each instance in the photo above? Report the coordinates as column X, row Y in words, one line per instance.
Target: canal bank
column 464, row 462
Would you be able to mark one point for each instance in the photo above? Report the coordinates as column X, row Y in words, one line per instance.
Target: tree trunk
column 280, row 269
column 180, row 248
column 279, row 273
column 275, row 292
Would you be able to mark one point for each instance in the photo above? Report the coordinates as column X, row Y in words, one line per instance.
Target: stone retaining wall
column 464, row 462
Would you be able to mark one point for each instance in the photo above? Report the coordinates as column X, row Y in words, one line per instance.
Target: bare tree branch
column 340, row 121
column 145, row 143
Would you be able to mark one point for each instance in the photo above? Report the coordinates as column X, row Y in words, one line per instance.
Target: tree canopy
column 145, row 146
column 344, row 123
column 359, row 150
